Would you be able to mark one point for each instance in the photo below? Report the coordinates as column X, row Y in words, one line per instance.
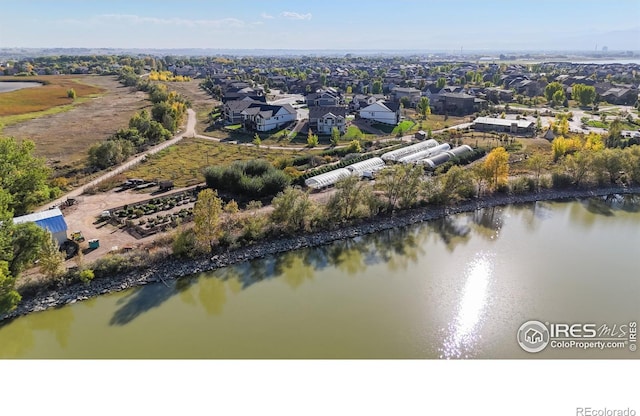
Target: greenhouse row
column 357, row 169
column 394, row 155
column 444, row 157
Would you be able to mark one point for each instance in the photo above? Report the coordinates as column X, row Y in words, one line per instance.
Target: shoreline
column 171, row 268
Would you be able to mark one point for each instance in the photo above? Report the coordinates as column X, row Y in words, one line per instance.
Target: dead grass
column 438, row 122
column 184, row 162
column 64, row 137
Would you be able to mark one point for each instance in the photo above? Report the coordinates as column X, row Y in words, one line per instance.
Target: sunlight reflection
column 462, row 334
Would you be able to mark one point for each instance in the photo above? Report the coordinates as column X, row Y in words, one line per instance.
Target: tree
column 27, row 240
column 376, row 87
column 497, row 167
column 536, row 163
column 456, row 184
column 585, row 94
column 23, row 175
column 207, row 214
column 558, row 97
column 424, row 107
column 293, row 209
column 354, row 147
column 71, row 93
column 551, row 89
column 578, row 166
column 312, row 139
column 51, row 259
column 615, row 133
column 256, row 140
column 9, row 297
column 406, row 102
column 401, row 184
column 349, row 199
column 349, row 90
column 609, row 162
column 335, row 136
column 110, row 153
column 441, row 82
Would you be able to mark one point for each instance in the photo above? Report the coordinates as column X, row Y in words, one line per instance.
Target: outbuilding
column 51, row 220
column 327, row 179
column 369, row 165
column 394, row 155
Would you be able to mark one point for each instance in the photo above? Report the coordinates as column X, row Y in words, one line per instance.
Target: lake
column 460, row 287
column 7, row 86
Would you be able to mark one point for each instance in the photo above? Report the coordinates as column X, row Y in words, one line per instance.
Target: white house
column 323, row 119
column 382, row 112
column 265, row 117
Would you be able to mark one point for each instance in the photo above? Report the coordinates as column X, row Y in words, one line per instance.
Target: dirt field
column 64, row 138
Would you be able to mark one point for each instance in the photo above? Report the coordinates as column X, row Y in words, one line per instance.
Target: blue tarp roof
column 51, row 219
column 54, row 224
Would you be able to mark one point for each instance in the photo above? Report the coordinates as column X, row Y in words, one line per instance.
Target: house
column 620, row 96
column 51, row 220
column 323, row 119
column 458, row 103
column 328, row 97
column 264, row 117
column 232, row 110
column 360, row 101
column 504, row 125
column 382, row 112
column 497, row 95
column 412, row 94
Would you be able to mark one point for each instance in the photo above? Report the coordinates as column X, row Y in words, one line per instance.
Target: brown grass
column 64, row 137
column 184, row 162
column 52, row 94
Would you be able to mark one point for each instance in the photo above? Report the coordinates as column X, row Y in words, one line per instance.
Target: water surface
column 454, row 288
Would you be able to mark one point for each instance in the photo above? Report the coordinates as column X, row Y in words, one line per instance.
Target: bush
column 254, row 178
column 523, row 185
column 185, row 244
column 561, row 181
column 86, row 275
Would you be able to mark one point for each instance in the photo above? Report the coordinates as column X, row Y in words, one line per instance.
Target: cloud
column 266, row 16
column 296, row 16
column 135, row 19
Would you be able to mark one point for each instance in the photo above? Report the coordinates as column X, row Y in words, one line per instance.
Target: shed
column 51, row 220
column 327, row 179
column 394, row 155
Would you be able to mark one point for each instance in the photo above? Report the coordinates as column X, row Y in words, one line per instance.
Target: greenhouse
column 437, row 160
column 327, row 179
column 394, row 155
column 423, row 154
column 369, row 165
column 460, row 151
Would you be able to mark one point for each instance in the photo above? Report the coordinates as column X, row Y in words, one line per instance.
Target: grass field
column 63, row 134
column 50, row 95
column 184, row 162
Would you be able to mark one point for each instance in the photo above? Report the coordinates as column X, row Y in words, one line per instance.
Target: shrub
column 86, row 275
column 185, row 244
column 560, row 180
column 254, row 178
column 523, row 185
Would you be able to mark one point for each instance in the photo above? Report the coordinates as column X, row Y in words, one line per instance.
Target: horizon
column 409, row 25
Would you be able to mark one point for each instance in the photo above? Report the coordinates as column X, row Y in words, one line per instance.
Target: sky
column 429, row 25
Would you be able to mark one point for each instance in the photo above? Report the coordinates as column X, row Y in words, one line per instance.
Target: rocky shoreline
column 171, row 269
